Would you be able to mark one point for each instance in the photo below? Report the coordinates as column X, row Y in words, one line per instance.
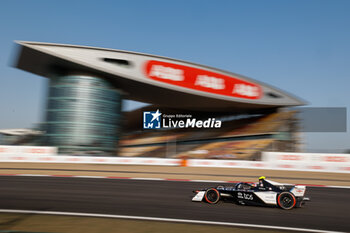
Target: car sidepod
column 261, row 198
column 267, row 197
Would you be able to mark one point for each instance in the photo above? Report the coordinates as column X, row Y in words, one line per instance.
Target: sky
column 302, row 47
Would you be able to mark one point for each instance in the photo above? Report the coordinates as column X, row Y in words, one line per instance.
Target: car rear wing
column 298, row 190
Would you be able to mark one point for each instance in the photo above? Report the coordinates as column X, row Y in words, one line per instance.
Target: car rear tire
column 286, row 200
column 212, row 196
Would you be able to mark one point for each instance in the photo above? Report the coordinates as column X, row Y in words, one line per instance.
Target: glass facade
column 83, row 114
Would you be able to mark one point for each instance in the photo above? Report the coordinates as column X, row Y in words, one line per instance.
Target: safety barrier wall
column 308, row 161
column 27, row 150
column 271, row 160
column 90, row 160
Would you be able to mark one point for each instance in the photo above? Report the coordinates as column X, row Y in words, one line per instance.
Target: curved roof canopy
column 154, row 79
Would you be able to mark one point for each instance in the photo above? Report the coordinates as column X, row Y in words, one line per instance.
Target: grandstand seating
column 228, row 142
column 137, row 151
column 149, row 139
column 228, row 150
column 265, row 124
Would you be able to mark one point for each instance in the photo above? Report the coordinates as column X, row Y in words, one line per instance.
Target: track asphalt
column 328, row 209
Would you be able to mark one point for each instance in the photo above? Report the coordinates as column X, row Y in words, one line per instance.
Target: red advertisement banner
column 201, row 80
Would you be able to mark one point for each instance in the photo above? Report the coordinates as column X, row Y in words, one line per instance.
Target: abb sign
column 201, row 80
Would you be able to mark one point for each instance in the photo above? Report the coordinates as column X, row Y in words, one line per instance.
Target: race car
column 263, row 193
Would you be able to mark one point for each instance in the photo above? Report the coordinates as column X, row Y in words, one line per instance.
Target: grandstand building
column 87, row 86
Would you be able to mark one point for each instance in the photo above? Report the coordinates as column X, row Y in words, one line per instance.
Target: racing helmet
column 261, row 179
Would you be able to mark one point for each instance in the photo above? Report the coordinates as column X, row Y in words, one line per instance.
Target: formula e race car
column 263, row 193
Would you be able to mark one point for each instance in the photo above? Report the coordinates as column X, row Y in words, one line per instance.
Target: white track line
column 160, row 179
column 338, row 187
column 135, row 178
column 209, row 181
column 32, row 175
column 165, row 220
column 95, row 177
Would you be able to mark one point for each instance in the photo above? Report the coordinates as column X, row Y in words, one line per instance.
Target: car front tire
column 212, row 196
